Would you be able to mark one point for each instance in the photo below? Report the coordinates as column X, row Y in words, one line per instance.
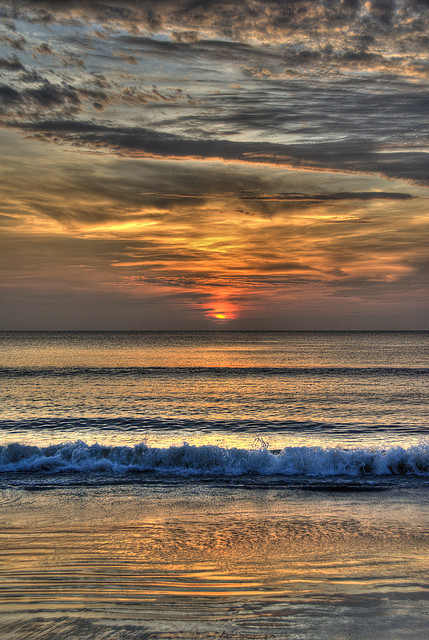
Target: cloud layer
column 217, row 159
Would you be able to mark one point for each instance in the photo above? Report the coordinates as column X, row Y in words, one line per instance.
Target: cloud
column 329, row 197
column 309, row 85
column 128, row 58
column 33, row 101
column 258, row 17
column 134, row 96
column 17, row 43
column 355, row 155
column 252, row 151
column 44, row 49
column 11, row 64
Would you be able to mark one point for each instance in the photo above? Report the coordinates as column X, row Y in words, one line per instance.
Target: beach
column 214, row 338
column 289, row 526
column 213, row 560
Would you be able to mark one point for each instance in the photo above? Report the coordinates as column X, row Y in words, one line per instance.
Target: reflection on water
column 213, row 561
column 214, row 349
column 219, row 388
column 96, row 556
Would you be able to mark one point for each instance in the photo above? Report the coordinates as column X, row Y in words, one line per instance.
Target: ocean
column 235, row 485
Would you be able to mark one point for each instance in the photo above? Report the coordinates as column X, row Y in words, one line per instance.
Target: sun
column 220, row 309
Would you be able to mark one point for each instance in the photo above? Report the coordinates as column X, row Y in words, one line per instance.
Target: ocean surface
column 243, row 485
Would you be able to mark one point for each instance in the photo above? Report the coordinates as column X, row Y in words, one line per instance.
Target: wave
column 210, row 460
column 17, row 372
column 264, row 428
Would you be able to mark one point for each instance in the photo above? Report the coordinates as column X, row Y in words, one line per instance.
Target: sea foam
column 211, row 460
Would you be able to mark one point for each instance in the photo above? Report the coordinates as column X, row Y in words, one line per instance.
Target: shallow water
column 187, row 560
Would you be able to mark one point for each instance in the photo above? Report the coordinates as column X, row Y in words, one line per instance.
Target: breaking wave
column 209, row 460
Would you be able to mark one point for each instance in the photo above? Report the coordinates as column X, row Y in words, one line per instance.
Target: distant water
column 234, row 485
column 300, row 397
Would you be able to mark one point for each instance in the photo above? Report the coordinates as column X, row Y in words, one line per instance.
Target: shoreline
column 245, row 563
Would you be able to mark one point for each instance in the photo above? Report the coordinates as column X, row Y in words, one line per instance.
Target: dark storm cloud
column 343, row 31
column 17, row 43
column 48, row 95
column 9, row 96
column 332, row 116
column 134, row 96
column 11, row 64
column 30, row 77
column 340, row 114
column 34, row 100
column 271, row 58
column 354, row 155
column 44, row 49
column 202, row 48
column 234, row 17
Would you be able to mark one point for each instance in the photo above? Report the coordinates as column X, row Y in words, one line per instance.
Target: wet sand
column 209, row 560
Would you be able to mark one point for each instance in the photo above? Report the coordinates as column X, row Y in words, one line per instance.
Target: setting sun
column 222, row 309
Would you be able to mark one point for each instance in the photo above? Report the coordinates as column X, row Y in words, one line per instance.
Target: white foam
column 210, row 460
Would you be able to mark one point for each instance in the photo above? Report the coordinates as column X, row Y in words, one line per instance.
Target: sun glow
column 221, row 311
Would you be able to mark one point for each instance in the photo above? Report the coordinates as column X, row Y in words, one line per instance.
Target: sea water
column 214, row 484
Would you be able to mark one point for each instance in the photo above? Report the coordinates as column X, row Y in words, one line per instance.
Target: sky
column 190, row 164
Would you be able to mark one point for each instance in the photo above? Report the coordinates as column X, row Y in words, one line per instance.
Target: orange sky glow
column 183, row 174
